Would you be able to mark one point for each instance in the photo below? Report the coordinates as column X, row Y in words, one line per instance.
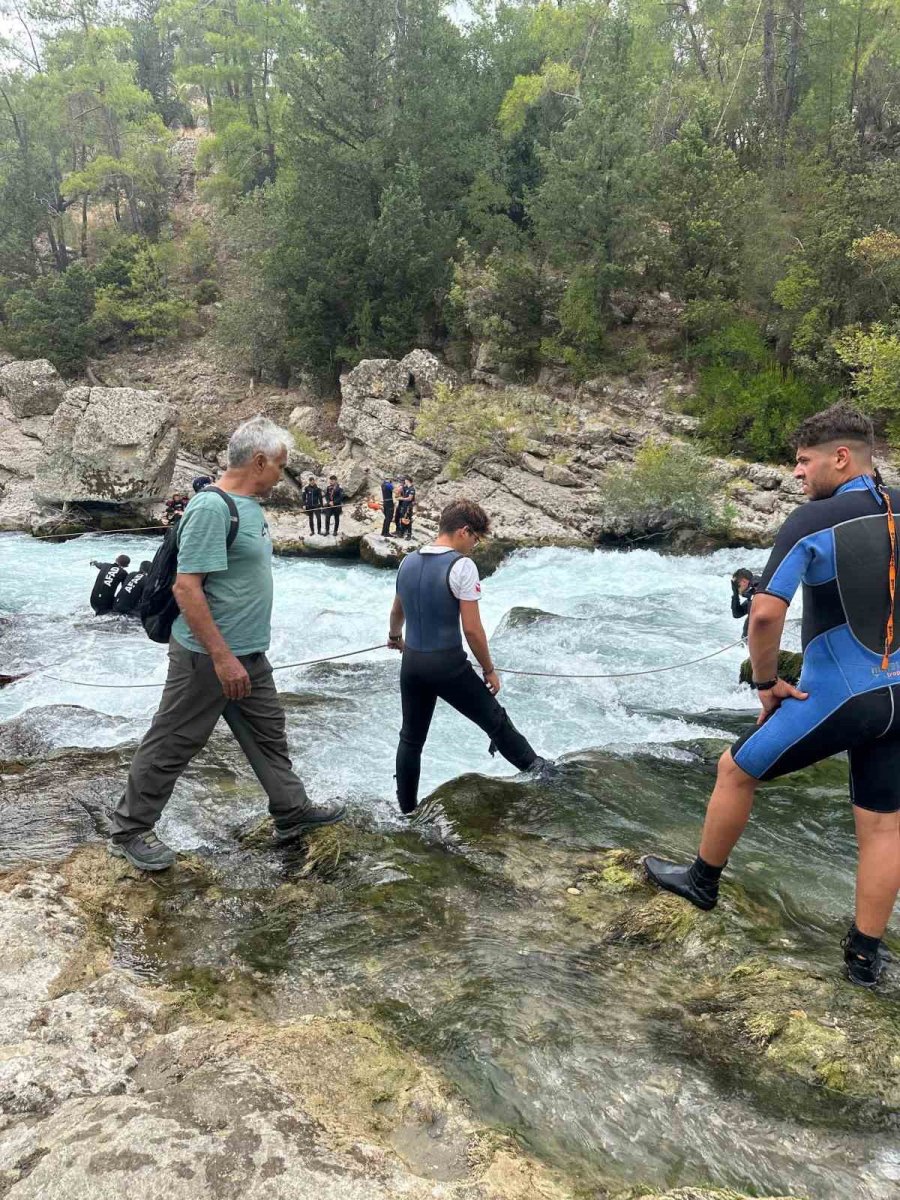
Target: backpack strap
column 232, row 509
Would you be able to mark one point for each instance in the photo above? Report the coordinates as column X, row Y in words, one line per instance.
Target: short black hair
column 743, row 573
column 840, row 423
column 462, row 513
column 332, row 477
column 146, row 564
column 123, row 560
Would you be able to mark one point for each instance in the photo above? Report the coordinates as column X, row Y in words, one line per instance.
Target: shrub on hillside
column 747, row 403
column 873, row 355
column 53, row 319
column 142, row 307
column 473, row 424
column 670, row 484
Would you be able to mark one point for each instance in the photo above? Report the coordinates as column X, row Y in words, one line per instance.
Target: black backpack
column 158, row 607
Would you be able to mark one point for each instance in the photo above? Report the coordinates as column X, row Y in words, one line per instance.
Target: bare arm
column 767, row 617
column 395, row 627
column 188, row 592
column 478, row 643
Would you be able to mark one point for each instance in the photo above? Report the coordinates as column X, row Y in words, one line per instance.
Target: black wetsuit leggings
column 448, row 675
column 388, row 517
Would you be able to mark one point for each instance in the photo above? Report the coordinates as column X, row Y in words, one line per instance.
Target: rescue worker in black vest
column 109, row 578
column 312, row 502
column 387, row 506
column 743, row 589
column 132, row 589
column 437, row 588
column 406, row 500
column 334, row 500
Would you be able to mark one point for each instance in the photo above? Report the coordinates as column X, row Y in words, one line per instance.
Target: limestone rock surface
column 33, row 389
column 112, row 445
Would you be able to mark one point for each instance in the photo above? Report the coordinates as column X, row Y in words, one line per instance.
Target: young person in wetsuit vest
column 437, row 588
column 109, row 577
column 132, row 589
column 387, row 506
column 842, row 548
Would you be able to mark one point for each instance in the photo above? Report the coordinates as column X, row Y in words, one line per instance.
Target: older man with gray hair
column 217, row 660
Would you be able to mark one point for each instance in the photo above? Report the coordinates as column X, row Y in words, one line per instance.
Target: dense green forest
column 384, row 174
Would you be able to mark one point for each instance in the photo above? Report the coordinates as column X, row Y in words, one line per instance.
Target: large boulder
column 33, row 389
column 378, row 414
column 109, row 445
column 424, row 372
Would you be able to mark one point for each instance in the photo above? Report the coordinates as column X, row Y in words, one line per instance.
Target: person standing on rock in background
column 132, row 589
column 842, row 547
column 312, row 502
column 217, row 657
column 387, row 506
column 334, row 499
column 437, row 589
column 405, row 503
column 743, row 589
column 109, row 577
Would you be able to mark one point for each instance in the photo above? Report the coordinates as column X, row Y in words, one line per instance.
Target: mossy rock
column 693, row 1193
column 801, row 1027
column 790, row 664
column 612, row 897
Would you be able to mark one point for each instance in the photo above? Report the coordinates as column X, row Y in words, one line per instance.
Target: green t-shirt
column 238, row 584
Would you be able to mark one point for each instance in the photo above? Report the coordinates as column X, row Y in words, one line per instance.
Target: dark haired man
column 334, row 500
column 387, row 506
column 312, row 502
column 132, row 589
column 109, row 577
column 743, row 587
column 437, row 589
column 842, row 547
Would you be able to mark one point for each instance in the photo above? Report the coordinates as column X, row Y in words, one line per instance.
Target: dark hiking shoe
column 865, row 969
column 144, row 851
column 308, row 818
column 680, row 881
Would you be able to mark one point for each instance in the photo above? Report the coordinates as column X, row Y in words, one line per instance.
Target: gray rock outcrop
column 380, row 399
column 33, row 389
column 109, row 445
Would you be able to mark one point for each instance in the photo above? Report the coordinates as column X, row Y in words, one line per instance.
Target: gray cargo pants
column 191, row 704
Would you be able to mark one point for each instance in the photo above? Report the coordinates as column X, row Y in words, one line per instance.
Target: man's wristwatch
column 765, row 686
column 394, row 637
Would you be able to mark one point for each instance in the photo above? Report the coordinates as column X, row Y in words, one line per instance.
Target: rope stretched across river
column 381, row 646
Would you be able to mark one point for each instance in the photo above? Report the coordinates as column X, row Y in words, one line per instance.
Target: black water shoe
column 144, row 851
column 308, row 818
column 865, row 958
column 682, row 881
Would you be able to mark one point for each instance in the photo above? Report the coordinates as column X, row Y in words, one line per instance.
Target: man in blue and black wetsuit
column 842, row 548
column 438, row 590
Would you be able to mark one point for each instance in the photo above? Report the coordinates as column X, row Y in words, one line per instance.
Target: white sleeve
column 464, row 581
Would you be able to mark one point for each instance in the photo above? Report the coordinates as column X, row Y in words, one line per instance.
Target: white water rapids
column 624, row 611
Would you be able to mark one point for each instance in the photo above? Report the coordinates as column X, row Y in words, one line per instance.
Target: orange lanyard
column 892, row 580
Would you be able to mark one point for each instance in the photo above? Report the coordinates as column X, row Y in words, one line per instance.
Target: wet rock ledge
column 113, row 1085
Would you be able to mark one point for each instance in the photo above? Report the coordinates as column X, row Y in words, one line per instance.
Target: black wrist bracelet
column 765, row 686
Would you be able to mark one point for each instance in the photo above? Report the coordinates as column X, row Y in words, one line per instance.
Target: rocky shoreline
column 76, row 459
column 131, row 1059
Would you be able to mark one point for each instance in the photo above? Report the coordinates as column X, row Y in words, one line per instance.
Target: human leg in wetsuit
column 448, row 675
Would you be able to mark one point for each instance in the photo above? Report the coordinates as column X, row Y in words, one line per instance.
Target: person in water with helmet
column 842, row 548
column 743, row 588
column 438, row 591
column 132, row 589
